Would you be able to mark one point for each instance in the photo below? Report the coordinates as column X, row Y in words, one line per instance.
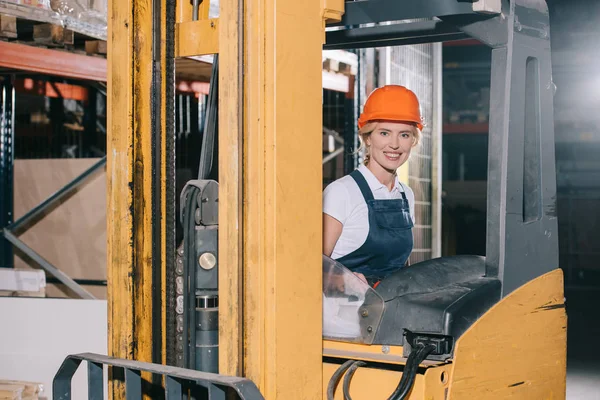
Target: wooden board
column 8, row 26
column 73, row 235
column 25, row 390
column 52, row 35
column 95, row 47
column 193, row 70
column 38, row 10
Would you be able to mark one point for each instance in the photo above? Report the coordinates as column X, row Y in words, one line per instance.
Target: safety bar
column 177, row 381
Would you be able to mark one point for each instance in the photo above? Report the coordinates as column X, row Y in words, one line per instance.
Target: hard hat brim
column 419, row 125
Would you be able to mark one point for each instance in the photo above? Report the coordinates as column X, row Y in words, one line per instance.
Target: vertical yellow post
column 230, row 187
column 282, row 193
column 276, row 268
column 135, row 153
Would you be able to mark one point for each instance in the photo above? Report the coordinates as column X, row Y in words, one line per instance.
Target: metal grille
column 412, row 66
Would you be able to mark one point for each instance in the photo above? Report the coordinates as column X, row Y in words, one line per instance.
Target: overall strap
column 362, row 185
column 403, row 191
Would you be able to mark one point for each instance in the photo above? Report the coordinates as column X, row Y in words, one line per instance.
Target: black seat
column 443, row 296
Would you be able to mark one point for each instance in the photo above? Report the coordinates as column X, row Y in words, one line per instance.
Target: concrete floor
column 583, row 344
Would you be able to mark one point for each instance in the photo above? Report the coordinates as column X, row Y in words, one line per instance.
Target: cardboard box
column 22, row 280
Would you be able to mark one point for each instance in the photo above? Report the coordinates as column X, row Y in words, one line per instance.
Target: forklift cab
column 446, row 304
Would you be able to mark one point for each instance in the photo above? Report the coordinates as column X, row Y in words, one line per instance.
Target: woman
column 368, row 215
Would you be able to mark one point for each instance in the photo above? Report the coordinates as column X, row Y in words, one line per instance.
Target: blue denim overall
column 390, row 239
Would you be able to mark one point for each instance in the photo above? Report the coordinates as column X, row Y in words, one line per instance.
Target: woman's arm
column 332, row 229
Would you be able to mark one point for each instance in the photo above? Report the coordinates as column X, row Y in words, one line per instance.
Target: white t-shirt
column 343, row 200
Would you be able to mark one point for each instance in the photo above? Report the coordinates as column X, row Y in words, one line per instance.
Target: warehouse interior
column 54, row 118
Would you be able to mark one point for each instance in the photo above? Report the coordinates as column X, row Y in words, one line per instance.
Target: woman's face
column 390, row 144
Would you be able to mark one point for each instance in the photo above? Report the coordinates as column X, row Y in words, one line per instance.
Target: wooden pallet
column 20, row 390
column 48, row 35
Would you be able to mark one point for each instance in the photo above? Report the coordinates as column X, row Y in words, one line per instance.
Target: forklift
column 248, row 294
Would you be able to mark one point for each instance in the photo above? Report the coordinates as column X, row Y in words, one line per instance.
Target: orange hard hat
column 391, row 103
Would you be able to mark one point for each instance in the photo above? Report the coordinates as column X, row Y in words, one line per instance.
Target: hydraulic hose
column 349, row 376
column 417, row 355
column 405, row 374
column 335, row 379
column 420, row 353
column 189, row 278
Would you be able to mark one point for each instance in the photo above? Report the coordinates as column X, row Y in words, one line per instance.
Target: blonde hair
column 366, row 131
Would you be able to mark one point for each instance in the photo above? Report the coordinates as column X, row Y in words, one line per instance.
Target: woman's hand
column 361, row 277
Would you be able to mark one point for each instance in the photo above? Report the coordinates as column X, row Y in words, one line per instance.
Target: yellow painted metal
column 183, row 11
column 281, row 189
column 164, row 182
column 369, row 383
column 203, row 9
column 359, row 351
column 282, row 197
column 516, row 350
column 355, row 351
column 231, row 98
column 129, row 184
column 195, row 38
column 378, row 353
column 333, row 10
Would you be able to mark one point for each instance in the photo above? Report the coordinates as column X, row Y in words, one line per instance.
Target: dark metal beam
column 377, row 11
column 82, row 282
column 489, row 31
column 90, row 120
column 7, row 108
column 392, row 35
column 47, row 266
column 56, row 197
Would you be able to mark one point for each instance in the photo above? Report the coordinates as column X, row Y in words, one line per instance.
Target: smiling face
column 390, row 144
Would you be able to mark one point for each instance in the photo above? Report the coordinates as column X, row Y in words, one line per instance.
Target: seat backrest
column 431, row 275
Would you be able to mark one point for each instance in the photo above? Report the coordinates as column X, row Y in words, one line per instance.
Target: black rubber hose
column 410, row 375
column 189, row 276
column 410, row 372
column 349, row 376
column 335, row 379
column 406, row 373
